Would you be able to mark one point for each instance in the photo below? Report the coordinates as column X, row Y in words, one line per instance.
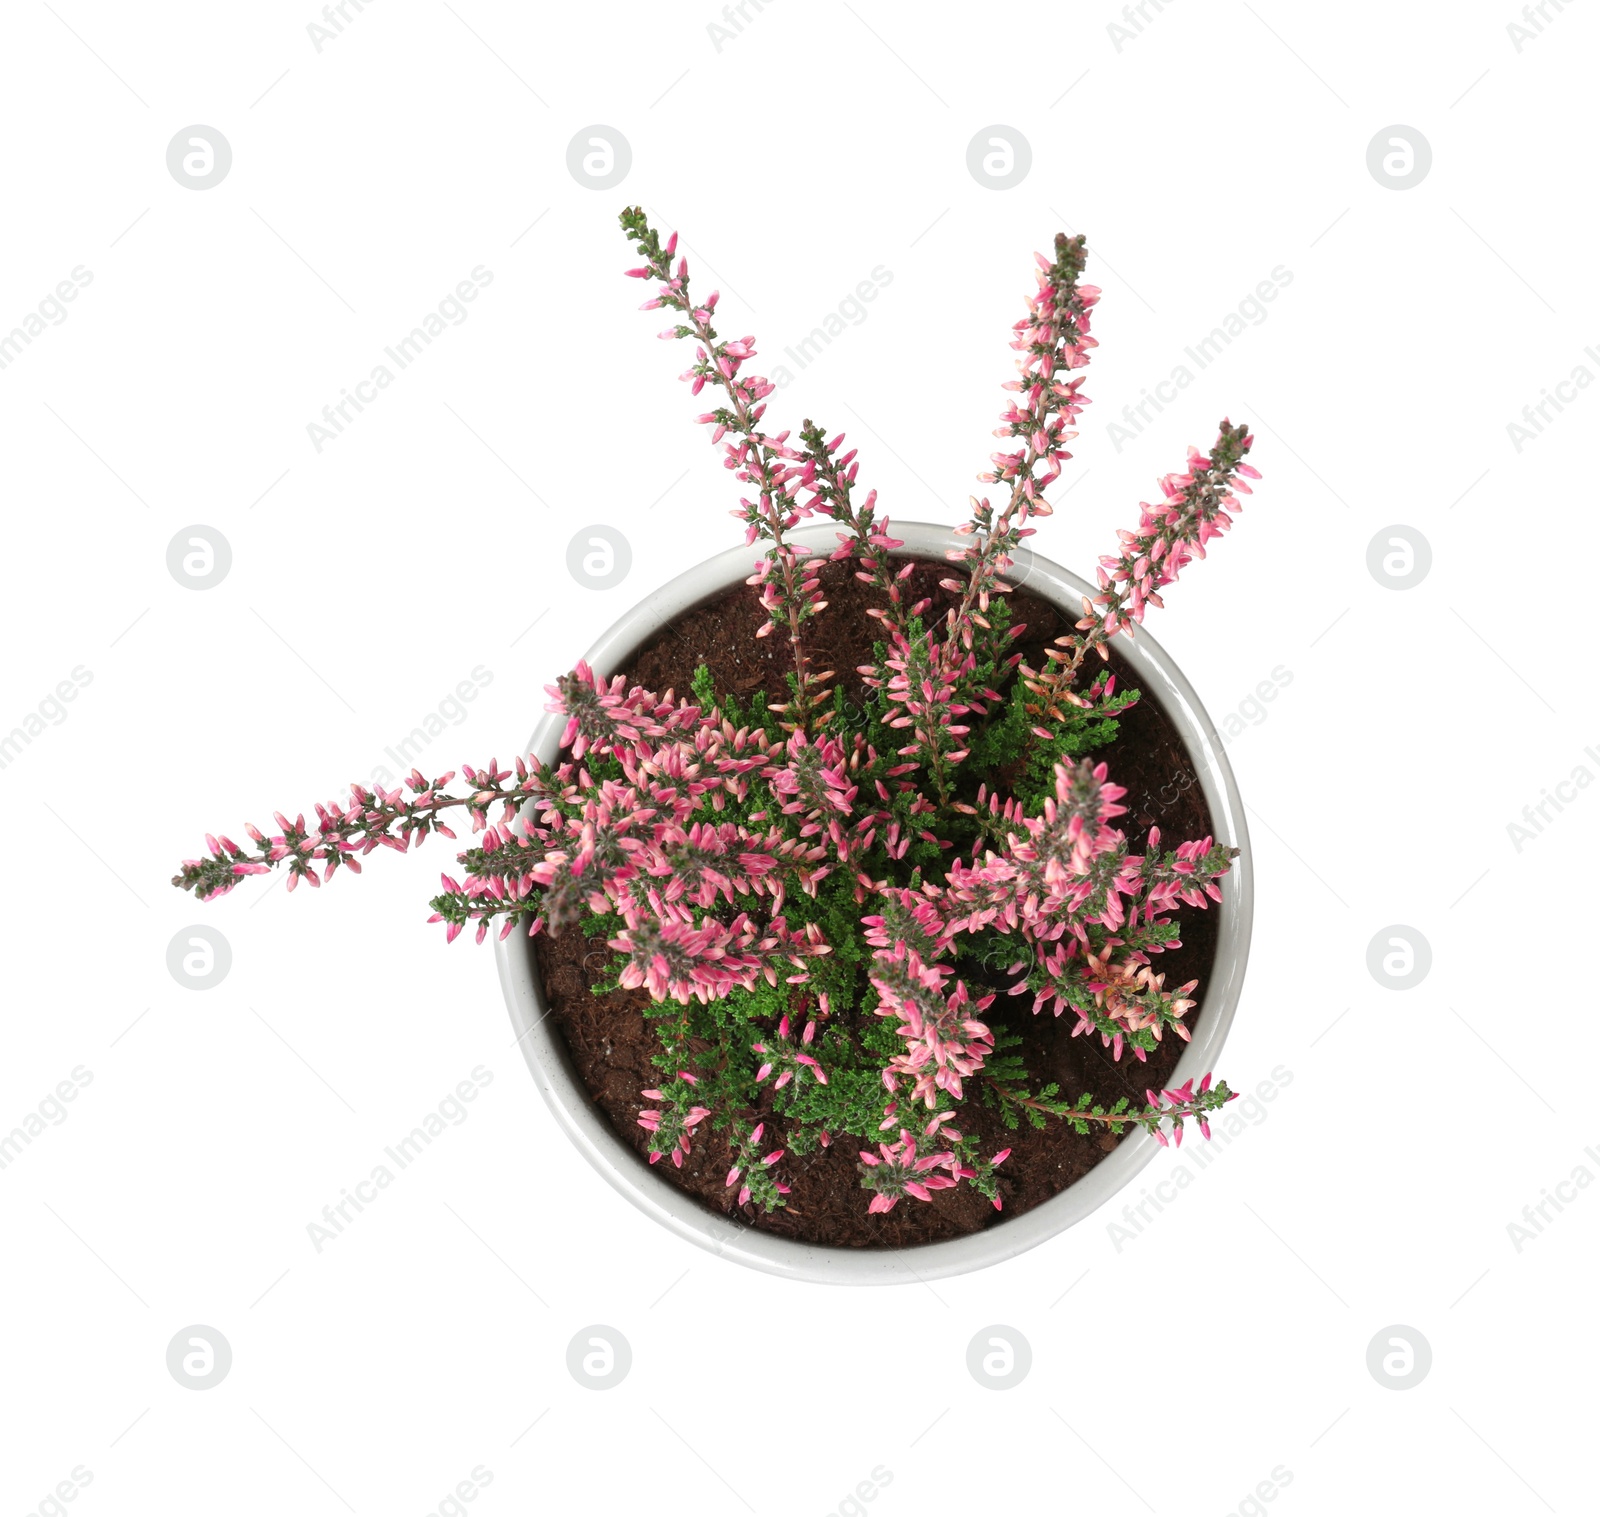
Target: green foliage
column 754, row 715
column 1009, row 744
column 704, row 688
column 1005, row 1084
column 755, row 1177
column 851, row 1102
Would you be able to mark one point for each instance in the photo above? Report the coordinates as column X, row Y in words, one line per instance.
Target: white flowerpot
column 585, row 1124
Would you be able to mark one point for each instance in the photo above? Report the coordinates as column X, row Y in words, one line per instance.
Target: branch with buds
column 1163, row 1114
column 1192, row 511
column 787, row 582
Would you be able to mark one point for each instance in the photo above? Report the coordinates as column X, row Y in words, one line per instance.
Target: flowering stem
column 831, row 476
column 1167, row 1106
column 375, row 818
column 1171, row 534
column 1054, row 338
column 933, row 686
column 790, row 590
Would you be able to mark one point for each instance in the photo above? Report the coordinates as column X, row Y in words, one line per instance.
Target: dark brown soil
column 611, row 1043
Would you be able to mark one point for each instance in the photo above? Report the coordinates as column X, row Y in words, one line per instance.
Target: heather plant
column 824, row 896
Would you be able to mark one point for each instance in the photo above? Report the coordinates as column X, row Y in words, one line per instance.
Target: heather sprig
column 789, row 589
column 946, row 1158
column 788, row 1056
column 830, row 477
column 829, row 903
column 1172, row 533
column 944, row 1040
column 898, row 1170
column 752, row 1171
column 672, row 1120
column 345, row 832
column 1163, row 1114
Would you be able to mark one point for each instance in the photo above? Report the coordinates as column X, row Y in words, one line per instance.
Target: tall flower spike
column 1172, row 533
column 1053, row 339
column 790, row 591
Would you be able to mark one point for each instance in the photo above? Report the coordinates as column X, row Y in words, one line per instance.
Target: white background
column 1223, row 140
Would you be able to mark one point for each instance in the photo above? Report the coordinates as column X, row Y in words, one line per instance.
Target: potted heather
column 820, row 910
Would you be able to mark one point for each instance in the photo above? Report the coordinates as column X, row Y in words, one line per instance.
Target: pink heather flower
column 751, row 1164
column 782, row 1052
column 1175, row 1106
column 814, row 783
column 897, row 1170
column 1172, row 533
column 944, row 1042
column 670, row 1124
column 610, row 717
column 1063, row 866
